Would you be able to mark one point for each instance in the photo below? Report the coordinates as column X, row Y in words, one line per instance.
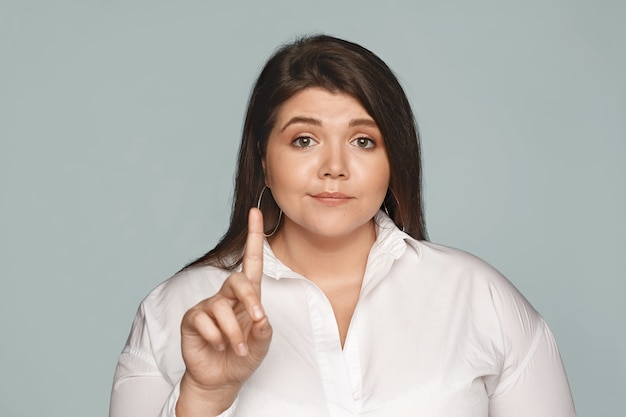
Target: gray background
column 119, row 124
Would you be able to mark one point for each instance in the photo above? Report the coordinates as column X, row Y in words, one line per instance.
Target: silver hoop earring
column 280, row 214
column 397, row 205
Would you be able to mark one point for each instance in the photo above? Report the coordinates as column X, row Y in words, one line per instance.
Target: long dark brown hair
column 338, row 66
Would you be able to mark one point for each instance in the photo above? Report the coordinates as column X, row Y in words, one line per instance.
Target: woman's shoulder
column 169, row 300
column 155, row 333
column 187, row 287
column 442, row 257
column 468, row 281
column 466, row 273
column 480, row 283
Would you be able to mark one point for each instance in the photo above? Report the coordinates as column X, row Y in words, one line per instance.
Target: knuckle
column 230, row 279
column 234, row 336
column 196, row 318
column 230, row 283
column 220, row 304
column 248, row 293
column 192, row 318
column 191, row 314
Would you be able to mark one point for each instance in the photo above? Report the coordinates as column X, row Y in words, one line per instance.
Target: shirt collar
column 390, row 244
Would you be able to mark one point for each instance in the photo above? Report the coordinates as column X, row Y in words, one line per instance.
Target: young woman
column 327, row 300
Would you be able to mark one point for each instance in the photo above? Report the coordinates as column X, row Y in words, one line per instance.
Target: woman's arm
column 139, row 388
column 537, row 386
column 532, row 381
column 223, row 339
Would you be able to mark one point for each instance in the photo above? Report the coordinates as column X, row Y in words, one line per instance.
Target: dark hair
column 338, row 66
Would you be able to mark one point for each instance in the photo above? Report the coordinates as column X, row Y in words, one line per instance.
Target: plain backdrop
column 119, row 127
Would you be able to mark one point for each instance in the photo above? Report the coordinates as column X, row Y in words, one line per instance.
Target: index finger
column 252, row 263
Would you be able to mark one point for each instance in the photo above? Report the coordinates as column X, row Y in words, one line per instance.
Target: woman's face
column 326, row 164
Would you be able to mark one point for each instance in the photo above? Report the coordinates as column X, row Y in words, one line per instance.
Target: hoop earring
column 397, row 205
column 280, row 215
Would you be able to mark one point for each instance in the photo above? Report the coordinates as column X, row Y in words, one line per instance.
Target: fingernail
column 257, row 312
column 242, row 350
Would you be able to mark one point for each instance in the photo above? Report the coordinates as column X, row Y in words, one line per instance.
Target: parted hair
column 338, row 66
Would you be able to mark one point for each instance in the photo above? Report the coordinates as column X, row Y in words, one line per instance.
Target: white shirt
column 436, row 333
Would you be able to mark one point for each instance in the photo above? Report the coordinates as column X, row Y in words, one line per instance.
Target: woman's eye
column 363, row 142
column 303, row 142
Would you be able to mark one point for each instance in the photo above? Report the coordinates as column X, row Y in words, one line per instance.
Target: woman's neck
column 335, row 264
column 324, row 259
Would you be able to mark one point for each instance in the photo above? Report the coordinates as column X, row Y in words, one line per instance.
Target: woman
column 328, row 300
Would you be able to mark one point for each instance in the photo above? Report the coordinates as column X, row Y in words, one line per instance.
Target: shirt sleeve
column 140, row 388
column 538, row 387
column 533, row 380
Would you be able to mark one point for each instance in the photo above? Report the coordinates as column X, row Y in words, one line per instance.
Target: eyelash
column 370, row 142
column 297, row 142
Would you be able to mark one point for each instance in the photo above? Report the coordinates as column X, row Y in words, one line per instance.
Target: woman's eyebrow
column 300, row 119
column 316, row 122
column 363, row 122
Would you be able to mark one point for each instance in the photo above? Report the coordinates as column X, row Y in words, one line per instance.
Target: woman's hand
column 225, row 337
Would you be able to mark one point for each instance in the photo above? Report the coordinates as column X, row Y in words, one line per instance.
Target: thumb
column 259, row 339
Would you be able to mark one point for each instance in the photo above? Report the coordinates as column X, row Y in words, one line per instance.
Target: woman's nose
column 334, row 163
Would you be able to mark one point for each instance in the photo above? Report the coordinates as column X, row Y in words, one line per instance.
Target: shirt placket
column 339, row 369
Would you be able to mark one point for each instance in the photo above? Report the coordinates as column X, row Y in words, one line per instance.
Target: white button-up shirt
column 436, row 333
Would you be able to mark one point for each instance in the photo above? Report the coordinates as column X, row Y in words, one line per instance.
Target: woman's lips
column 332, row 198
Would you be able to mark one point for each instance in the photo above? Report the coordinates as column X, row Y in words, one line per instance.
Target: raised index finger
column 252, row 263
